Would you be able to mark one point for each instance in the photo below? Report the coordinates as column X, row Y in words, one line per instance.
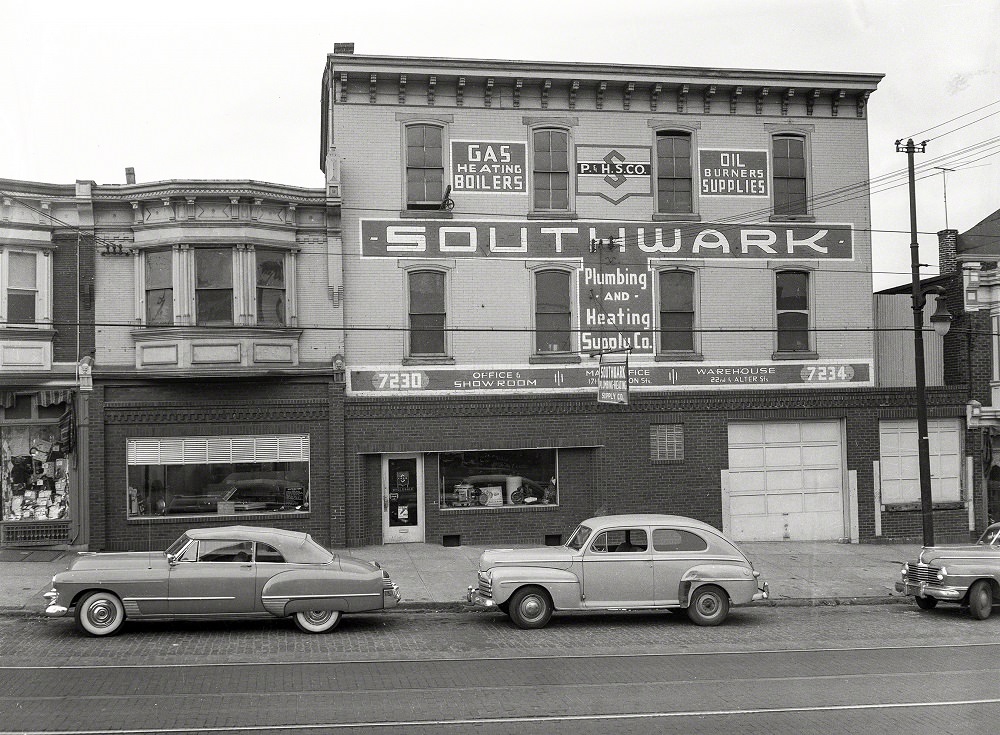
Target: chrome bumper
column 53, row 610
column 922, row 589
column 391, row 597
column 472, row 596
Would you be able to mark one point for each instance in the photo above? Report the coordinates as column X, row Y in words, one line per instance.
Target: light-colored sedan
column 967, row 575
column 215, row 573
column 620, row 562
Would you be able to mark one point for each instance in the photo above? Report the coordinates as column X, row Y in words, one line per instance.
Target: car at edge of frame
column 967, row 574
column 228, row 572
column 621, row 562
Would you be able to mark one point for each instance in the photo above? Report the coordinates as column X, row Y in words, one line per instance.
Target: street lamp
column 941, row 321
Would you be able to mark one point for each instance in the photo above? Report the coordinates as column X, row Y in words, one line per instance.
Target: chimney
column 343, row 48
column 947, row 251
column 129, row 175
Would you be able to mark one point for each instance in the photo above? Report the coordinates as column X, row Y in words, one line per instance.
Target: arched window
column 789, row 156
column 673, row 172
column 427, row 313
column 792, row 310
column 677, row 316
column 550, row 173
column 424, row 167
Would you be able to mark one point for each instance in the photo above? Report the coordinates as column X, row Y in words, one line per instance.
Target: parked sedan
column 968, row 575
column 643, row 561
column 229, row 572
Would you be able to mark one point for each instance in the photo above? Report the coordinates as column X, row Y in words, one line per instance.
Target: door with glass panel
column 402, row 498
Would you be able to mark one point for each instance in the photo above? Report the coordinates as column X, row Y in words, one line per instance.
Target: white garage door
column 786, row 481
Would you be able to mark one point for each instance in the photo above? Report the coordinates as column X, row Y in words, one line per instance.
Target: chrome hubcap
column 531, row 607
column 708, row 605
column 317, row 617
column 102, row 614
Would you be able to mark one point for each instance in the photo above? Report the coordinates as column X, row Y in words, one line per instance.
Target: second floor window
column 270, row 287
column 213, row 286
column 792, row 307
column 424, row 167
column 789, row 157
column 22, row 288
column 550, row 175
column 427, row 313
column 552, row 311
column 673, row 173
column 159, row 274
column 676, row 311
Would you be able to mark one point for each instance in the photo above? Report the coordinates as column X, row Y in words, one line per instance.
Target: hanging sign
column 612, row 379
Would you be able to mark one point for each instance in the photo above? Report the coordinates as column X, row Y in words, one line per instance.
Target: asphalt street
column 809, row 669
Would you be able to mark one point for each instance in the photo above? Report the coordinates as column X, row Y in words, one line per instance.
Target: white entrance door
column 786, row 481
column 402, row 498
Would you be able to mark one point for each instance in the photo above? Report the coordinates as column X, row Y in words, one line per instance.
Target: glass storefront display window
column 498, row 479
column 227, row 475
column 34, row 473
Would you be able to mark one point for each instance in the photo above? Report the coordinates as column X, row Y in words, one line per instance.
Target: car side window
column 267, row 553
column 621, row 540
column 231, row 551
column 672, row 539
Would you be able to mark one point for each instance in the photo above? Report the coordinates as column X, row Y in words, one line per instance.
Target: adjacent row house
column 528, row 293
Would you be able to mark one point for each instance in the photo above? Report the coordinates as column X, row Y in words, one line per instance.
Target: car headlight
column 904, row 570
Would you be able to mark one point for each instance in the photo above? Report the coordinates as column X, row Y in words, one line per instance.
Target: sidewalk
column 430, row 576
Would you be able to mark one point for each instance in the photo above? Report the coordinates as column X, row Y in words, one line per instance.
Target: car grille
column 485, row 587
column 386, row 581
column 922, row 573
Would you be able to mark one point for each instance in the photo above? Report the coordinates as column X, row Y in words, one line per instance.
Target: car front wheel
column 99, row 614
column 709, row 606
column 317, row 621
column 530, row 607
column 926, row 603
column 981, row 600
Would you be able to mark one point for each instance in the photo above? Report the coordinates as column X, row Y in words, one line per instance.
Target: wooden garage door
column 786, row 481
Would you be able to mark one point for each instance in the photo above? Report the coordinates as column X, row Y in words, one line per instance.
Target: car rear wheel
column 530, row 607
column 709, row 605
column 926, row 603
column 317, row 621
column 100, row 614
column 981, row 600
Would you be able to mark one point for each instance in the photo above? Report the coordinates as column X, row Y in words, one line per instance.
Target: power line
column 957, row 117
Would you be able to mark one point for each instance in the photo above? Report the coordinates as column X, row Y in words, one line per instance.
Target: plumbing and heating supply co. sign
column 488, row 166
column 615, row 282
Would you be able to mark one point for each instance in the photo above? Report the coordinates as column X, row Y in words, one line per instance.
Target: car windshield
column 579, row 537
column 177, row 545
column 991, row 537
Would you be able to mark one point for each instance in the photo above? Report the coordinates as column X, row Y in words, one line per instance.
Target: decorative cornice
column 159, row 190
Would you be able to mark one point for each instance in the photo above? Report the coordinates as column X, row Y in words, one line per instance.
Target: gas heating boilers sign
column 488, row 166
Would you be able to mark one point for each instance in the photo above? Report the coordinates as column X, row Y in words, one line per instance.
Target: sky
column 219, row 89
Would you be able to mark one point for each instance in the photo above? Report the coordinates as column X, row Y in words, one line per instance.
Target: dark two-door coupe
column 228, row 572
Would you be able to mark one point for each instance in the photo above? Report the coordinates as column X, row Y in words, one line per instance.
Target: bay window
column 25, row 287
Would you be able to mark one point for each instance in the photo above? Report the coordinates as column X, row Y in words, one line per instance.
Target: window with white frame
column 427, row 313
column 216, row 286
column 792, row 311
column 424, row 166
column 550, row 169
column 666, row 442
column 553, row 311
column 674, row 189
column 788, row 153
column 217, row 474
column 25, row 287
column 677, row 311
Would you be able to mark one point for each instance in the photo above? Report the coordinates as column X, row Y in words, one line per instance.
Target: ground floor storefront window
column 501, row 478
column 218, row 474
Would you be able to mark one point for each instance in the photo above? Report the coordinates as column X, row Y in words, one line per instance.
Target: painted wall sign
column 488, row 166
column 585, row 378
column 521, row 239
column 614, row 173
column 733, row 173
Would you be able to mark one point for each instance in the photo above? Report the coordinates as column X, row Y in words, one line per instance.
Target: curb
column 456, row 606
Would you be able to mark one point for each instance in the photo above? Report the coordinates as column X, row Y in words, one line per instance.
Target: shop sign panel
column 612, row 379
column 556, row 239
column 488, row 166
column 390, row 381
column 731, row 173
column 613, row 173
